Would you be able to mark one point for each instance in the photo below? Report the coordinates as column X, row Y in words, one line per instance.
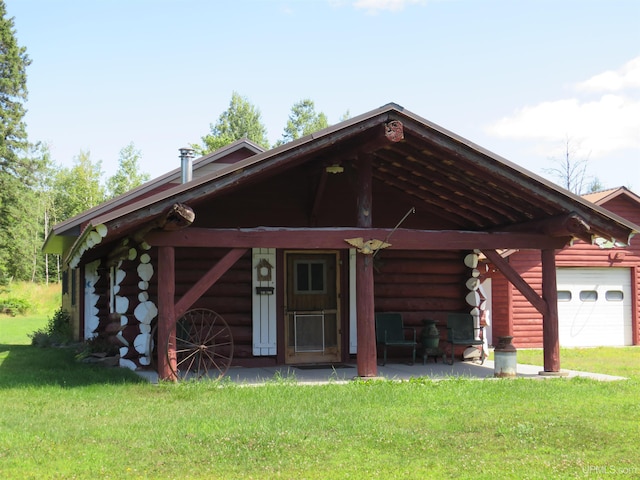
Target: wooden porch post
column 550, row 336
column 166, row 311
column 367, row 354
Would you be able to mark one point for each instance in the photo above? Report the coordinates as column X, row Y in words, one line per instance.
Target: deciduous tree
column 128, row 176
column 571, row 170
column 240, row 120
column 78, row 188
column 303, row 120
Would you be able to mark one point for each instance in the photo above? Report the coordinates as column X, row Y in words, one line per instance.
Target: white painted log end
column 95, row 237
column 471, row 260
column 122, row 304
column 473, row 283
column 145, row 271
column 145, row 312
column 101, row 230
column 128, row 364
column 141, row 343
column 120, row 275
column 473, row 298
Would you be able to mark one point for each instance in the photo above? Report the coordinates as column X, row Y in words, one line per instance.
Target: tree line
column 37, row 193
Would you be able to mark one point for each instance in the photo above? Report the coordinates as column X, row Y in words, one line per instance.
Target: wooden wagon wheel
column 203, row 345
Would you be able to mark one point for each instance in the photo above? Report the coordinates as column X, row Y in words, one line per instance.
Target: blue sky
column 517, row 77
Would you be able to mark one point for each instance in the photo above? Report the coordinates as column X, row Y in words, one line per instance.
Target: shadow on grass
column 28, row 366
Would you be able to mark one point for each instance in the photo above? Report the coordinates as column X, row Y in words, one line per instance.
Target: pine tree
column 13, row 92
column 17, row 171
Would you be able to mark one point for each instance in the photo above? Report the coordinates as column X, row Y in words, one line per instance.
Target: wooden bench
column 462, row 331
column 391, row 332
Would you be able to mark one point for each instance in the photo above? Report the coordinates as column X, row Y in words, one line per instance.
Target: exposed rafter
column 570, row 225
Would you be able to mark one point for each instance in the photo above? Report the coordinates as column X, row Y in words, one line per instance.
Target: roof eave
column 117, row 202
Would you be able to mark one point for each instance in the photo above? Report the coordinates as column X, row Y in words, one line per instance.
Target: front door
column 312, row 314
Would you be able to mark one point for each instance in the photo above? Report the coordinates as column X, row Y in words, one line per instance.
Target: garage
column 594, row 307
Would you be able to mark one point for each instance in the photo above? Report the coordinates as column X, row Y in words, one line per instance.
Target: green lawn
column 16, row 330
column 61, row 419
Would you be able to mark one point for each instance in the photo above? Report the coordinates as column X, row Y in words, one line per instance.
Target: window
column 564, row 296
column 73, row 286
column 614, row 296
column 65, row 282
column 588, row 296
column 310, row 276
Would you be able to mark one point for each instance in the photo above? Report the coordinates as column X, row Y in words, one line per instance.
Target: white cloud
column 627, row 77
column 600, row 124
column 374, row 6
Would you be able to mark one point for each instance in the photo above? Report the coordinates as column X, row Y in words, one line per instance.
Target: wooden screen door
column 312, row 320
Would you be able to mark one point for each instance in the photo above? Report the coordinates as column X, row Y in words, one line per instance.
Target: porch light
column 335, row 168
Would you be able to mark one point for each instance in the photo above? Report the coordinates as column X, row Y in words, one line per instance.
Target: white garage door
column 594, row 306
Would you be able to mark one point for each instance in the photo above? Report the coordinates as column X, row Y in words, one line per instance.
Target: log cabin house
column 299, row 246
column 598, row 285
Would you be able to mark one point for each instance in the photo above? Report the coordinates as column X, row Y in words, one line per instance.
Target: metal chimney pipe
column 186, row 163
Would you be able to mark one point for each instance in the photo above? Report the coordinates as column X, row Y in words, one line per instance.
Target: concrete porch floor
column 391, row 371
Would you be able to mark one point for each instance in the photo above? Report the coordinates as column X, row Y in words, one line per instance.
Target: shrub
column 57, row 332
column 14, row 305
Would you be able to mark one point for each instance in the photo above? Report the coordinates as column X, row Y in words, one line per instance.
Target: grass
column 62, row 419
column 623, row 361
column 15, row 330
column 41, row 300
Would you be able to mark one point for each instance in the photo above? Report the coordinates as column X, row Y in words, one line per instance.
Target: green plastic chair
column 461, row 331
column 391, row 332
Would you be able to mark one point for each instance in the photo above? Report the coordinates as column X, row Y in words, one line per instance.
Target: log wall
column 421, row 285
column 230, row 296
